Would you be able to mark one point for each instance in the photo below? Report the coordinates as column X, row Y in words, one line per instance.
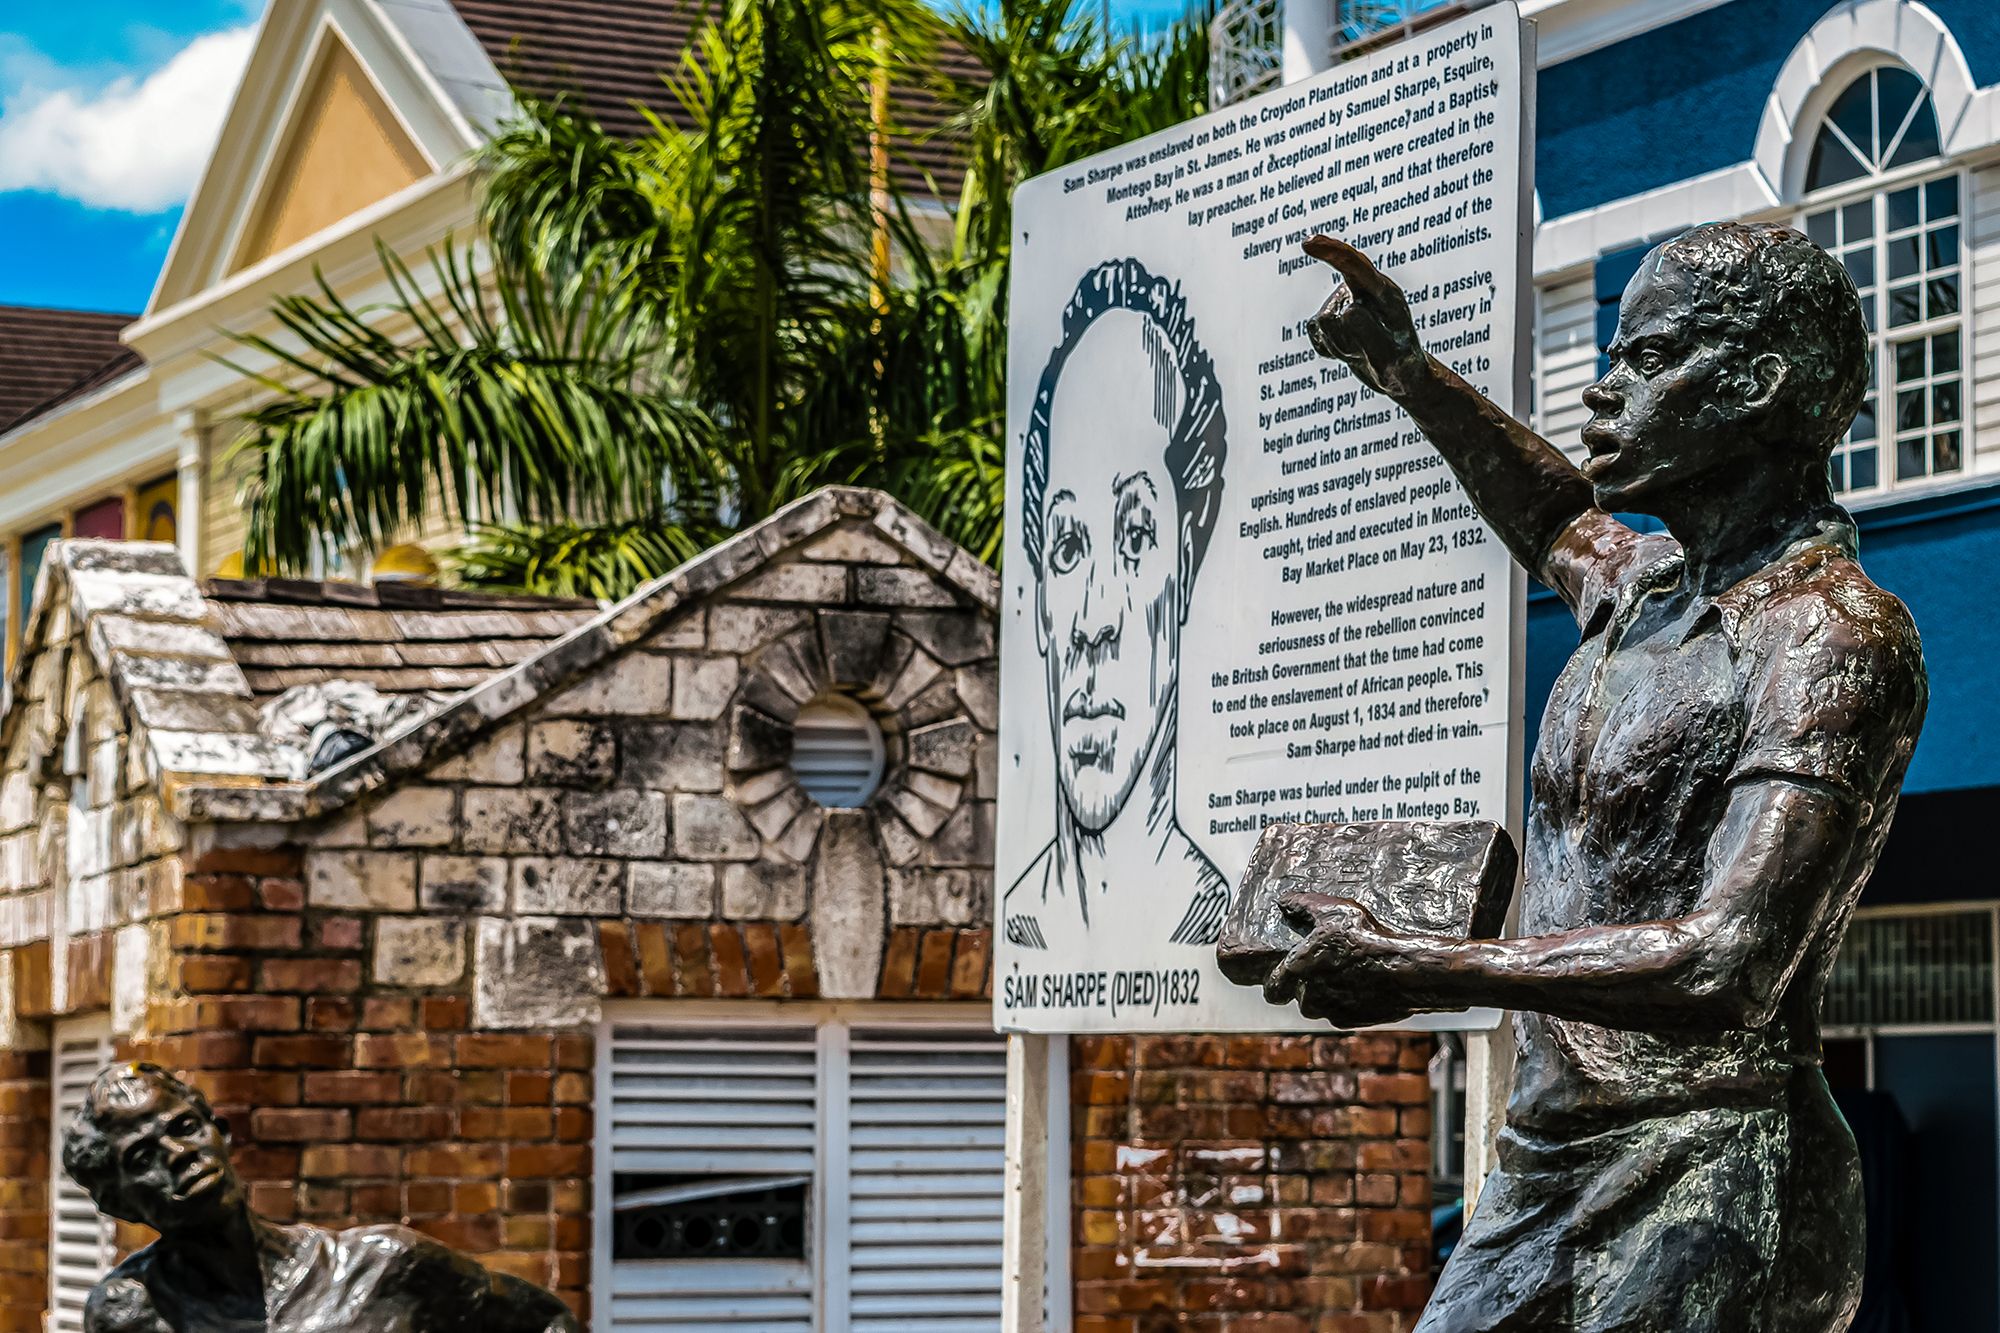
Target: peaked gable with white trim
column 414, row 64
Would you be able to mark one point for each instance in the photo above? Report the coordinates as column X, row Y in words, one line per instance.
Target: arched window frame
column 1865, row 466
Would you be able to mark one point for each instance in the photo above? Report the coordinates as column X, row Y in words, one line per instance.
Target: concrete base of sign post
column 1035, row 1295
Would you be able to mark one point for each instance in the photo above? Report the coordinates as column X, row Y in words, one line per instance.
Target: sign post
column 1239, row 588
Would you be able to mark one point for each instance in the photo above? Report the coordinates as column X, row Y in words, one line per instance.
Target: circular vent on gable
column 837, row 751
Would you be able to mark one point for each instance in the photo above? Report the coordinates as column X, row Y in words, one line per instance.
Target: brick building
column 642, row 951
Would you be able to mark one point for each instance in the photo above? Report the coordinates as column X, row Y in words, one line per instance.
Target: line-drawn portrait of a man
column 1121, row 481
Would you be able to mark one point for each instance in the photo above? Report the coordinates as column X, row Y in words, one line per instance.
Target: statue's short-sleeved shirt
column 385, row 1279
column 1804, row 672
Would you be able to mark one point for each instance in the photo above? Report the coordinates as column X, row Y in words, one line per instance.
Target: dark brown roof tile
column 48, row 357
column 401, row 638
column 615, row 55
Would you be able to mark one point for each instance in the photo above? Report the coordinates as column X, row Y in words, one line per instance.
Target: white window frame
column 1876, row 189
column 827, row 1223
column 95, row 1030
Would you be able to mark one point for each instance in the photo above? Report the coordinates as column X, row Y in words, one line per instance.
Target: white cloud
column 134, row 144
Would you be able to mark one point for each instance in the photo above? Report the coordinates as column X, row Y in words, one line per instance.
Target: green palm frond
column 957, row 480
column 562, row 196
column 665, row 337
column 494, row 401
column 605, row 561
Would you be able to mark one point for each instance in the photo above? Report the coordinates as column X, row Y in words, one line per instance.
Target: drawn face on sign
column 1109, row 597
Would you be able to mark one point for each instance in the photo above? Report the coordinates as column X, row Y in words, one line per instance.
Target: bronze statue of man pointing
column 1715, row 774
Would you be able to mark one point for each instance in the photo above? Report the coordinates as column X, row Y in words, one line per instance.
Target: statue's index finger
column 1349, row 263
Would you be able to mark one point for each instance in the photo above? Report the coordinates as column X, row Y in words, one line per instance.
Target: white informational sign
column 1239, row 587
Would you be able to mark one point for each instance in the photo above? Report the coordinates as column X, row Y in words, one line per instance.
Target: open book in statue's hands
column 1414, row 876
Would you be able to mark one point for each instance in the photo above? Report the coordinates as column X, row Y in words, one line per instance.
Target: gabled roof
column 614, row 55
column 192, row 669
column 415, row 55
column 563, row 662
column 448, row 71
column 49, row 356
column 191, row 665
column 399, row 638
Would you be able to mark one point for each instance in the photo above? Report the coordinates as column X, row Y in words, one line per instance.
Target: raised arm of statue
column 1527, row 491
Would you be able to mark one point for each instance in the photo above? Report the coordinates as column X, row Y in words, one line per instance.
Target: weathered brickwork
column 1275, row 1184
column 354, row 1102
column 639, row 832
column 393, row 1002
column 24, row 1190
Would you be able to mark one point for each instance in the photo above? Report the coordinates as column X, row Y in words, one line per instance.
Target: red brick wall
column 24, row 1190
column 1274, row 1184
column 352, row 1105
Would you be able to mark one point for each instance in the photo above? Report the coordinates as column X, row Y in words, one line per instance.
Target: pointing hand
column 1366, row 322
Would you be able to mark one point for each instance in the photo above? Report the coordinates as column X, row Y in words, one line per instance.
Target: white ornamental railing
column 1246, row 50
column 1247, row 38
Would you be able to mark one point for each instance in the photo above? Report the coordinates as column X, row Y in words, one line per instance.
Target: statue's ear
column 1765, row 378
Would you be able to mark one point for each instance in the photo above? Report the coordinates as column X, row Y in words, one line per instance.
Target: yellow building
column 354, row 123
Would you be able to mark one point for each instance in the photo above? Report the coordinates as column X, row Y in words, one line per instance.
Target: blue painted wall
column 1941, row 555
column 1685, row 99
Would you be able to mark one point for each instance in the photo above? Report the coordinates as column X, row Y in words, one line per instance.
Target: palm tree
column 678, row 334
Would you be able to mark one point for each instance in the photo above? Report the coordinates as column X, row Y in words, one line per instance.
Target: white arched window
column 1876, row 199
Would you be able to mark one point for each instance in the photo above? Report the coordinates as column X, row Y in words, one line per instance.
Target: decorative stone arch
column 1846, row 42
column 908, row 669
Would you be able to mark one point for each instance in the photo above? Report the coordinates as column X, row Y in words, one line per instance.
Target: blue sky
column 107, row 111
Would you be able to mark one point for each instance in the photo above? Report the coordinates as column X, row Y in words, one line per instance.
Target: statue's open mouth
column 197, row 1180
column 1603, row 444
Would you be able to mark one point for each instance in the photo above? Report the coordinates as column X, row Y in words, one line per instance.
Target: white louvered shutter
column 837, row 752
column 926, row 1148
column 82, row 1248
column 727, row 1103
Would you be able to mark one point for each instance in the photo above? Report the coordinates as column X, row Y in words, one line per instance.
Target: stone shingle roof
column 407, row 751
column 613, row 55
column 192, row 665
column 934, row 556
column 195, row 668
column 48, row 357
column 399, row 638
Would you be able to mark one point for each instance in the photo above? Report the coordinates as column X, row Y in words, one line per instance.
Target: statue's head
column 148, row 1149
column 1741, row 349
column 1121, row 481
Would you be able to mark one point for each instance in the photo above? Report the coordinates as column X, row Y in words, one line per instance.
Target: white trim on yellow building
column 354, row 124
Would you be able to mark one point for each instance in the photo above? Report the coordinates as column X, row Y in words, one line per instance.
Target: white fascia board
column 1740, row 192
column 1577, row 239
column 418, row 106
column 1763, row 184
column 96, row 445
column 453, row 61
column 1565, row 29
column 226, row 164
column 286, row 52
column 220, row 391
column 77, row 407
column 407, row 222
